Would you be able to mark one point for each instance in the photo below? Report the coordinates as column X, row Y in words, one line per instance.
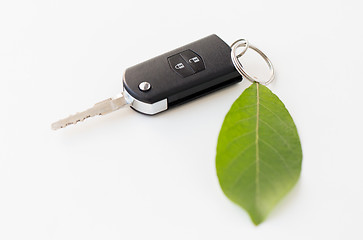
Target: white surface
column 129, row 176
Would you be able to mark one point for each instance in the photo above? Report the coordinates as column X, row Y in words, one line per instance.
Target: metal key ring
column 242, row 42
column 239, row 67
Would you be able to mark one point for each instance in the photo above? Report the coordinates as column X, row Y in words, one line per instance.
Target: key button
column 180, row 66
column 194, row 60
column 144, row 86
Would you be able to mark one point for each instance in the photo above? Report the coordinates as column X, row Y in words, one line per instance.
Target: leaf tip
column 257, row 218
column 256, row 221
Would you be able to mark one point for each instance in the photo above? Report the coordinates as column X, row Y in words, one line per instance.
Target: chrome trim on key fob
column 142, row 107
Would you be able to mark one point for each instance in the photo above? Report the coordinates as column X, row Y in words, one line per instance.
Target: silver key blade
column 101, row 108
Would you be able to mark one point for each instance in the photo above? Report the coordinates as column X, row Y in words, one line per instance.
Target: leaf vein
column 241, row 175
column 287, row 125
column 278, row 153
column 234, row 140
column 272, row 128
column 244, row 107
column 238, row 155
column 237, row 122
column 257, row 177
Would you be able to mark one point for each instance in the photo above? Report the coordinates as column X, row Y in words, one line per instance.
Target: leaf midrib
column 257, row 180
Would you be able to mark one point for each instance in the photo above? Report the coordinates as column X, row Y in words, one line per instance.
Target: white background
column 130, row 176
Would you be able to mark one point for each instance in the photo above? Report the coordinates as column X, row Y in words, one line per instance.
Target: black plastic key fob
column 180, row 75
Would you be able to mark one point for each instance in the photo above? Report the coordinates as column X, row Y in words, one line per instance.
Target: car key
column 168, row 80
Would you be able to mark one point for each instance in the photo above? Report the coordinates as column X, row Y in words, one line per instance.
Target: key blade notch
column 101, row 108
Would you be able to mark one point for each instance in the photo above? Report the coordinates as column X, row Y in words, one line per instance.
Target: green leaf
column 258, row 153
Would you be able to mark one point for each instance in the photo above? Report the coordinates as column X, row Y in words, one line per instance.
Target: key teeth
column 58, row 125
column 101, row 108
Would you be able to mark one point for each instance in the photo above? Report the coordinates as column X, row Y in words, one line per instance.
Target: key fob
column 180, row 75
